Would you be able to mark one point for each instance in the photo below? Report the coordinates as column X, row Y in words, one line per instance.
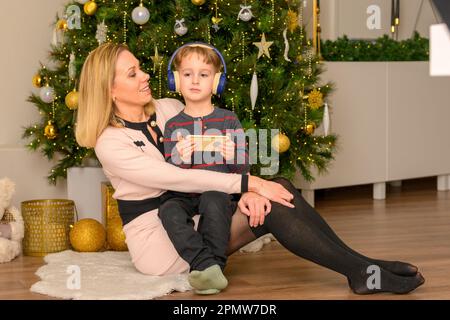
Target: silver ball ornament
column 140, row 15
column 47, row 94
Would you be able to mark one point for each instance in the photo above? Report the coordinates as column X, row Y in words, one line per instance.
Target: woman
column 118, row 117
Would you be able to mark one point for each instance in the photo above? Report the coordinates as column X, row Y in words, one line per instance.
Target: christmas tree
column 272, row 78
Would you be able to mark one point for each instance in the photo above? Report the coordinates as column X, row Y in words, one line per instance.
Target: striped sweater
column 219, row 122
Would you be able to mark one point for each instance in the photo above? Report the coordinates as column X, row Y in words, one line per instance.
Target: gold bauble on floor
column 87, row 235
column 115, row 237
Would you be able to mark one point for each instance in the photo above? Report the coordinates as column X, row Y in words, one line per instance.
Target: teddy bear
column 11, row 229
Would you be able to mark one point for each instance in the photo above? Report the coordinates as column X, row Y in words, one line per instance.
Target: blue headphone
column 219, row 79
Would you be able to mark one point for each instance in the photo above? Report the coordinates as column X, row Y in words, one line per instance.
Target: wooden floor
column 412, row 224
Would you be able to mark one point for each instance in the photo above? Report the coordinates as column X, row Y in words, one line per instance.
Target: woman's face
column 130, row 86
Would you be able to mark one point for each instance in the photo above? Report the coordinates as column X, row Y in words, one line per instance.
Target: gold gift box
column 110, row 208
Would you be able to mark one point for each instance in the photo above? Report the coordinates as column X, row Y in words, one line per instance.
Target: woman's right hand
column 271, row 190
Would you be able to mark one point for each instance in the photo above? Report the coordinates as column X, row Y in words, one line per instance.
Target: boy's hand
column 228, row 149
column 185, row 147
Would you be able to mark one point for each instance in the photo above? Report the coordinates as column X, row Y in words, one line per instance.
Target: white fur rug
column 102, row 276
column 109, row 275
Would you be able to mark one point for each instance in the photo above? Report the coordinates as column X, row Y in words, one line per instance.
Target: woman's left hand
column 254, row 206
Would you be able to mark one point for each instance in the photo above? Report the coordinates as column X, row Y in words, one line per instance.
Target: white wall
column 26, row 32
column 349, row 17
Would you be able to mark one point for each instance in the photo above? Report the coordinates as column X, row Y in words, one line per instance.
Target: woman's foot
column 398, row 267
column 388, row 282
column 209, row 281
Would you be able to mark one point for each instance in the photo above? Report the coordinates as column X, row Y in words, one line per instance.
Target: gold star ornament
column 263, row 46
column 157, row 59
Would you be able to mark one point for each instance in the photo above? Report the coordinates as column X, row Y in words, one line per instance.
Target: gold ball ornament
column 62, row 25
column 37, row 80
column 315, row 99
column 281, row 143
column 87, row 235
column 115, row 237
column 50, row 130
column 72, row 100
column 310, row 128
column 198, row 2
column 90, row 8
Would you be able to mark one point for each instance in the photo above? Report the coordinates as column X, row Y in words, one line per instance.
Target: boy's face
column 196, row 78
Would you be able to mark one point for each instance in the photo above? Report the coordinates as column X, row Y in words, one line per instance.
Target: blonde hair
column 208, row 55
column 96, row 108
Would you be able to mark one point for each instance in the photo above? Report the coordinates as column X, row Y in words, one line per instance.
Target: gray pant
column 206, row 246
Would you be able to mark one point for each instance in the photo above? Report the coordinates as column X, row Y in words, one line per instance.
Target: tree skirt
column 101, row 275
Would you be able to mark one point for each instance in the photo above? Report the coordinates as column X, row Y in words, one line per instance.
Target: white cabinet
column 392, row 120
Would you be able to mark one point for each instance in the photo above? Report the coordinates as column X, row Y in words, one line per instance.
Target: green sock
column 209, row 281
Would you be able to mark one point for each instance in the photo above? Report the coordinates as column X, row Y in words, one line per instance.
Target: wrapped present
column 115, row 237
column 110, row 208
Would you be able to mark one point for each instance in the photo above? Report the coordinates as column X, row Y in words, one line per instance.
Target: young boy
column 200, row 137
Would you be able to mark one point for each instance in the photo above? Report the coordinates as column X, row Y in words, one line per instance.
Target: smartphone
column 208, row 142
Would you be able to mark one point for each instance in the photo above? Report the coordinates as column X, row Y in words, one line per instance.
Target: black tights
column 302, row 231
